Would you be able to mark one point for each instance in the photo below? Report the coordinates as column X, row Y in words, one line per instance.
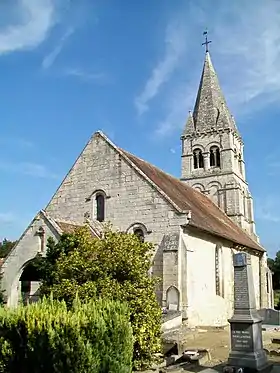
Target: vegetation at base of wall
column 114, row 267
column 93, row 337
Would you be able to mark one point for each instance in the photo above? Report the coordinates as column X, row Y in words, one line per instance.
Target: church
column 196, row 223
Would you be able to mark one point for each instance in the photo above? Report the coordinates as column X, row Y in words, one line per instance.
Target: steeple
column 211, row 111
column 213, row 151
column 189, row 127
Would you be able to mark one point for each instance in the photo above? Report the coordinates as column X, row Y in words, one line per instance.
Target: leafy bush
column 46, row 337
column 115, row 267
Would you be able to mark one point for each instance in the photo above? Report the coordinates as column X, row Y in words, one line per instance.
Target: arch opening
column 139, row 233
column 30, row 280
column 198, row 161
column 215, row 157
column 100, row 207
column 172, row 298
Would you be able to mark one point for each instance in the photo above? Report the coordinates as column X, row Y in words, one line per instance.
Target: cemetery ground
column 217, row 342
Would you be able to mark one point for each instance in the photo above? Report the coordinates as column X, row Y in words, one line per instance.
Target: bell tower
column 213, row 151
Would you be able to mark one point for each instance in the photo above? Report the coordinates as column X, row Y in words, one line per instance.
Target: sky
column 131, row 69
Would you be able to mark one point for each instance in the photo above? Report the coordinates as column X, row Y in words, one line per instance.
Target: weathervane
column 206, row 41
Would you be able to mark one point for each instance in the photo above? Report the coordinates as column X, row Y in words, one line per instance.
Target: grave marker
column 247, row 351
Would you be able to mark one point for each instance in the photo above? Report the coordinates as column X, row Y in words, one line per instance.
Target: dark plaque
column 241, row 296
column 241, row 337
column 240, row 260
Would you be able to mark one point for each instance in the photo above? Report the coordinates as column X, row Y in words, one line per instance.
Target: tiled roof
column 70, row 227
column 205, row 214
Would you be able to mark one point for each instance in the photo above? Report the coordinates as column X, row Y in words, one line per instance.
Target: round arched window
column 140, row 234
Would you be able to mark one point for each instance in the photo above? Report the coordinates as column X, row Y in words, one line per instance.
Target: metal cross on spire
column 206, row 41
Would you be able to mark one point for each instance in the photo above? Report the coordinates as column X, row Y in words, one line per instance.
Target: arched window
column 140, row 234
column 100, row 207
column 215, row 158
column 198, row 161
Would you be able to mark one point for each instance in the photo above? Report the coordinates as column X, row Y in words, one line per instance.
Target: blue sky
column 131, row 68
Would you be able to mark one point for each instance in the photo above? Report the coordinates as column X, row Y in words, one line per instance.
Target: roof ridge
column 223, row 219
column 146, row 177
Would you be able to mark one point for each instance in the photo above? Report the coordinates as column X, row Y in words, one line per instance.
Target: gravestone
column 247, row 351
column 270, row 316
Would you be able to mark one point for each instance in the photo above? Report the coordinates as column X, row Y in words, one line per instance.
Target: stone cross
column 247, row 353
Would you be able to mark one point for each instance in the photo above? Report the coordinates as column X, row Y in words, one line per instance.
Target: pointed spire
column 211, row 111
column 189, row 127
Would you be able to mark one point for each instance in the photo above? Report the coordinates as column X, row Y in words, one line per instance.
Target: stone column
column 247, row 351
column 206, row 160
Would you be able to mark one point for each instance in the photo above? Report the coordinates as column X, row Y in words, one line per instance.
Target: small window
column 140, row 234
column 240, row 164
column 215, row 158
column 267, row 283
column 218, row 271
column 100, row 207
column 198, row 161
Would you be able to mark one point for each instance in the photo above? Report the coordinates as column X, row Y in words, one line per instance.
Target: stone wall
column 130, row 199
column 26, row 249
column 225, row 185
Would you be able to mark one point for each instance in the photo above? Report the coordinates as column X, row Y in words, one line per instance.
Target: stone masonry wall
column 26, row 249
column 130, row 198
column 226, row 185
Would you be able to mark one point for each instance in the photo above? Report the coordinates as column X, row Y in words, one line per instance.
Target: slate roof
column 205, row 214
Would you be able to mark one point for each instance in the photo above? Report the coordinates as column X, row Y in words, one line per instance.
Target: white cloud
column 52, row 56
column 28, row 168
column 174, row 48
column 85, row 75
column 7, row 217
column 34, row 21
column 245, row 50
column 267, row 208
column 13, row 141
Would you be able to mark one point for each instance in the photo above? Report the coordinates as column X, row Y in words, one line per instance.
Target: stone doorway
column 30, row 283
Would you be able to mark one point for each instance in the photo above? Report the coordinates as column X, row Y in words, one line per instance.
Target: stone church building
column 196, row 223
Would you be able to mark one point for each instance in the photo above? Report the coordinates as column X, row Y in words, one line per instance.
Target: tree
column 115, row 267
column 274, row 265
column 5, row 247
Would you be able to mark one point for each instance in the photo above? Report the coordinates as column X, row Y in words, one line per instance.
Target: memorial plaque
column 241, row 337
column 241, row 296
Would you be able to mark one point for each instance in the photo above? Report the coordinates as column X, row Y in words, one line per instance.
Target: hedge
column 46, row 337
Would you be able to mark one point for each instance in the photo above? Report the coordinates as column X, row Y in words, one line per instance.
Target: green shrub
column 46, row 337
column 115, row 267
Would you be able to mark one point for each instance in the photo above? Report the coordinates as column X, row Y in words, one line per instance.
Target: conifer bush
column 48, row 337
